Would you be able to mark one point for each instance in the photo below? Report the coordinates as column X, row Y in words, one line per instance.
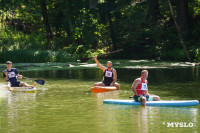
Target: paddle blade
column 41, row 82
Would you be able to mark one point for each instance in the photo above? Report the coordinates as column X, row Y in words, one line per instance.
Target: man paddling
column 110, row 75
column 140, row 89
column 10, row 76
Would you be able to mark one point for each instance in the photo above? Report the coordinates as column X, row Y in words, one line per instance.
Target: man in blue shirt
column 10, row 76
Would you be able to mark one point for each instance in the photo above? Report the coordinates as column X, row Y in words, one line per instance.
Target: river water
column 65, row 103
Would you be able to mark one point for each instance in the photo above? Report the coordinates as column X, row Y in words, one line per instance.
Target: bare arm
column 6, row 77
column 19, row 76
column 99, row 65
column 134, row 85
column 114, row 77
column 147, row 89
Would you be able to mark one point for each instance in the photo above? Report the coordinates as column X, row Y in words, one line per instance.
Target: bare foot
column 34, row 84
column 9, row 86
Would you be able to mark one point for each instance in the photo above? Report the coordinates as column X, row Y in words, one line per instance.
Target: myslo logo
column 179, row 124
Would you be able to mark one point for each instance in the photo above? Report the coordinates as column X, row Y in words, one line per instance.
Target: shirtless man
column 140, row 89
column 110, row 75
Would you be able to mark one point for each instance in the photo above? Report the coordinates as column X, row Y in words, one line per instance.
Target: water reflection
column 67, row 104
column 17, row 111
column 145, row 119
column 156, row 76
column 183, row 82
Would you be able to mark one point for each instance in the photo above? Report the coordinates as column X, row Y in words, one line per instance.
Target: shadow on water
column 156, row 76
column 181, row 82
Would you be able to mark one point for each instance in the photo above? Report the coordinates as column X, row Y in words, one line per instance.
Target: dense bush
column 143, row 28
column 27, row 56
column 197, row 55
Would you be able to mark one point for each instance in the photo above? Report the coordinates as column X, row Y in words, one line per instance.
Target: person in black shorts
column 110, row 75
column 10, row 76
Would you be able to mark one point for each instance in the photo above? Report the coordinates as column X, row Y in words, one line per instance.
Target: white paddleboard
column 25, row 89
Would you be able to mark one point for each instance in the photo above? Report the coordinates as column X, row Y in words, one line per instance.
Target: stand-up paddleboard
column 177, row 103
column 97, row 89
column 23, row 89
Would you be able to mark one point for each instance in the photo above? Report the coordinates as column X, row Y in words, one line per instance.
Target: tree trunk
column 111, row 6
column 182, row 17
column 49, row 35
column 153, row 11
column 179, row 32
column 93, row 3
column 112, row 32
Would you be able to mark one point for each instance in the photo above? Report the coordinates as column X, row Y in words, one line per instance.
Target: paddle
column 88, row 58
column 39, row 81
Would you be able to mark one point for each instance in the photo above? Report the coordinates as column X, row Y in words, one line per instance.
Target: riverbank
column 129, row 64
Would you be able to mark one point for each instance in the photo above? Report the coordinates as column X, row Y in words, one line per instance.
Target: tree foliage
column 143, row 28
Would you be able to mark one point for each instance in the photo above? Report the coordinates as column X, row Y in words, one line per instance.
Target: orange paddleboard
column 97, row 89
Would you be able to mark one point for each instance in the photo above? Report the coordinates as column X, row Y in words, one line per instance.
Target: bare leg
column 156, row 98
column 27, row 85
column 143, row 101
column 117, row 85
column 99, row 84
column 9, row 85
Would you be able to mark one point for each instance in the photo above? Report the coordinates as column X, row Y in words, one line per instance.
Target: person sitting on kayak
column 10, row 76
column 140, row 89
column 110, row 75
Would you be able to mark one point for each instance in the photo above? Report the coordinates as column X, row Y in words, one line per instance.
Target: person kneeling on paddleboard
column 10, row 76
column 140, row 89
column 110, row 75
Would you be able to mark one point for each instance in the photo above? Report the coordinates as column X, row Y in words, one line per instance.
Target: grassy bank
column 128, row 64
column 36, row 56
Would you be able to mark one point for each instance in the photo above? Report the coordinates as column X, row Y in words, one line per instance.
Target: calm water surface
column 66, row 104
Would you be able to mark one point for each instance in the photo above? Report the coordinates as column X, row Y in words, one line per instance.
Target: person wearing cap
column 10, row 76
column 110, row 75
